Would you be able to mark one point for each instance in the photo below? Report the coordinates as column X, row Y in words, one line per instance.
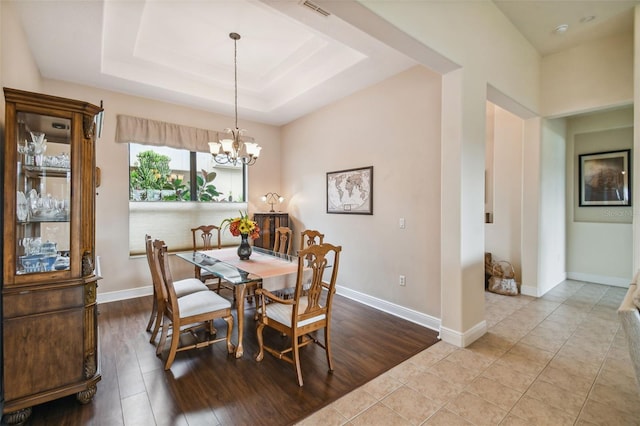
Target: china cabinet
column 268, row 222
column 50, row 330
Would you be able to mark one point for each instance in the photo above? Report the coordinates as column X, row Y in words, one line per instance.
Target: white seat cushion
column 282, row 313
column 201, row 302
column 188, row 286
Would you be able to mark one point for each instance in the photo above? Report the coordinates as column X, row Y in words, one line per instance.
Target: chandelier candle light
column 233, row 149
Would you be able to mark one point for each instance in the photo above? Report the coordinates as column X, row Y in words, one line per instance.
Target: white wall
column 599, row 239
column 552, row 252
column 503, row 236
column 393, row 126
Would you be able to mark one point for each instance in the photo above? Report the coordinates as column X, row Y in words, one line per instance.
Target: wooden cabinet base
column 17, row 412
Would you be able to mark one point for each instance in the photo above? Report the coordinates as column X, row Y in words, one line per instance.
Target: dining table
column 266, row 268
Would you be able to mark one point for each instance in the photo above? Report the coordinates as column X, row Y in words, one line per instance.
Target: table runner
column 276, row 273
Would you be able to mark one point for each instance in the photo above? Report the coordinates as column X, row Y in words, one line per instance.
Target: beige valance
column 159, row 133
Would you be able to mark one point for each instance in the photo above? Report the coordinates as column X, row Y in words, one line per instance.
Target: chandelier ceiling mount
column 233, row 147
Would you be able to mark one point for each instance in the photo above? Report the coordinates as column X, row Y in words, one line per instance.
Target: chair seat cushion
column 188, row 286
column 201, row 302
column 282, row 313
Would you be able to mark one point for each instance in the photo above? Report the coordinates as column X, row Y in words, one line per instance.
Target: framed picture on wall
column 605, row 178
column 350, row 191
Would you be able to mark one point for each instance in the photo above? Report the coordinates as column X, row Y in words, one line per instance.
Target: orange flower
column 242, row 225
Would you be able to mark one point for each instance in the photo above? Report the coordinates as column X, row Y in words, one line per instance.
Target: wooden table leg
column 240, row 290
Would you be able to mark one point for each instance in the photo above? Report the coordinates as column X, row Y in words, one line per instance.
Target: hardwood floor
column 207, row 387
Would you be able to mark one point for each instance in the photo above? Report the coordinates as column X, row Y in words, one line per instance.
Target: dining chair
column 203, row 239
column 307, row 312
column 182, row 287
column 309, row 237
column 282, row 241
column 187, row 313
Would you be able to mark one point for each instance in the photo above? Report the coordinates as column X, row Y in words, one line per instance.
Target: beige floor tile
column 509, row 377
column 411, row 405
column 494, row 392
column 379, row 414
column 441, row 348
column 453, row 372
column 426, row 359
column 617, row 398
column 403, row 372
column 476, row 410
column 444, row 417
column 470, row 359
column 520, row 363
column 539, row 413
column 353, row 403
column 619, row 366
column 554, row 396
column 604, row 415
column 575, row 367
column 560, row 329
column 511, row 420
column 537, row 356
column 434, row 388
column 382, row 385
column 567, row 381
column 618, row 380
column 543, row 341
column 327, row 416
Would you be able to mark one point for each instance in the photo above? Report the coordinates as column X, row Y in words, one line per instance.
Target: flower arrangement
column 242, row 225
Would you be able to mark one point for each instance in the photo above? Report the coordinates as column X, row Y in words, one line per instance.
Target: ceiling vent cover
column 317, row 9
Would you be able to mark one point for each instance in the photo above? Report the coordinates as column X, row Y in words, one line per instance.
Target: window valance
column 159, row 133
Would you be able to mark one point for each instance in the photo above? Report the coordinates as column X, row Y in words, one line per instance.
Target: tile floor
column 560, row 359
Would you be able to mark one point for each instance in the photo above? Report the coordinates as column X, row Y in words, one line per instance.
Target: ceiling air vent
column 315, row 8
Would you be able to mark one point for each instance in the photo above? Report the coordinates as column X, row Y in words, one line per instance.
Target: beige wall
column 121, row 272
column 393, row 126
column 588, row 77
column 503, row 236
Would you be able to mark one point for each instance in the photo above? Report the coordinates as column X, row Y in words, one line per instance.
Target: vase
column 244, row 249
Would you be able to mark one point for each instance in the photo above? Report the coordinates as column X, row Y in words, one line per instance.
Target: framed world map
column 350, row 191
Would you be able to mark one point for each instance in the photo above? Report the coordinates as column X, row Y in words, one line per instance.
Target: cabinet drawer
column 36, row 301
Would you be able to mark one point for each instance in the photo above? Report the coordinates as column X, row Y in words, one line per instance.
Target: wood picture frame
column 604, row 178
column 350, row 191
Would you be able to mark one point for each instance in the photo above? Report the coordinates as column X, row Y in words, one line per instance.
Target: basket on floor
column 502, row 279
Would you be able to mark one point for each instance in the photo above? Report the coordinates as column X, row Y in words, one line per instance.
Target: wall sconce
column 271, row 198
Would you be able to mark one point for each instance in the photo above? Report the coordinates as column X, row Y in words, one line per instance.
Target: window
column 172, row 190
column 159, row 173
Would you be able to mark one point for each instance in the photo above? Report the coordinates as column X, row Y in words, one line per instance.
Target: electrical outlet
column 402, row 223
column 403, row 280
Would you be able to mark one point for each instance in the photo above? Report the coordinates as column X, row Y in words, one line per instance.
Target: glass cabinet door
column 43, row 193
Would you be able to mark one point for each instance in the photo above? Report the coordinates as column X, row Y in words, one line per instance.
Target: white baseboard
column 391, row 308
column 463, row 340
column 114, row 296
column 528, row 290
column 599, row 279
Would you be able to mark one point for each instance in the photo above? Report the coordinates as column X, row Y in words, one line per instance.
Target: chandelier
column 232, row 148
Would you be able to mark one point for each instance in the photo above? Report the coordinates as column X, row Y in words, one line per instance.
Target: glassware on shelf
column 22, row 207
column 33, row 150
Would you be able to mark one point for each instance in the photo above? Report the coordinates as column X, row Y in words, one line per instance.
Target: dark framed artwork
column 350, row 191
column 605, row 178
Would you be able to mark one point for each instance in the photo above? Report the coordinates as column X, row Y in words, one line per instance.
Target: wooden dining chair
column 182, row 287
column 203, row 239
column 307, row 312
column 184, row 314
column 309, row 237
column 282, row 241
